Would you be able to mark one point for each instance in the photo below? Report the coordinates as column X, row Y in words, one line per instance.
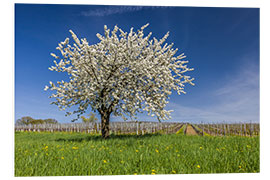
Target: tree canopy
column 123, row 74
column 26, row 120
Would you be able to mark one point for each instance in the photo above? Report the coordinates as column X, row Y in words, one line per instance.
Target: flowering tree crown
column 125, row 73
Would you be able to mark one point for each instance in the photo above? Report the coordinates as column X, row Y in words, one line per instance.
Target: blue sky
column 221, row 44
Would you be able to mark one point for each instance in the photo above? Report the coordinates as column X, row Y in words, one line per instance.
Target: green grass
column 66, row 154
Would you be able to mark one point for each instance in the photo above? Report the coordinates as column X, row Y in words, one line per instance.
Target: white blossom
column 124, row 73
column 46, row 88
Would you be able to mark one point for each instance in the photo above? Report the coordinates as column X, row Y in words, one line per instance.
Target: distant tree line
column 29, row 120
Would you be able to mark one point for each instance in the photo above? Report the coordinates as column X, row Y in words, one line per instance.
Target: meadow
column 77, row 154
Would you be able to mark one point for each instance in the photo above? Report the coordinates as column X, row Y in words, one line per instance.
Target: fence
column 115, row 127
column 140, row 128
column 240, row 129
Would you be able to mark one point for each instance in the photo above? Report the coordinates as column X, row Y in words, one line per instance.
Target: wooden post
column 137, row 128
column 252, row 129
column 241, row 129
column 202, row 128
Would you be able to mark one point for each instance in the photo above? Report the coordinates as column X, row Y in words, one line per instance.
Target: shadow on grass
column 112, row 136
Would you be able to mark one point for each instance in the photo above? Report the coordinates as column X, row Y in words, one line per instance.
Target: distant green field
column 70, row 154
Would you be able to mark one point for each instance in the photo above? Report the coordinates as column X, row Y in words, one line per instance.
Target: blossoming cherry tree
column 124, row 74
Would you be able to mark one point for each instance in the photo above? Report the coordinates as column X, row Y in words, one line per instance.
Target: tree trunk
column 105, row 119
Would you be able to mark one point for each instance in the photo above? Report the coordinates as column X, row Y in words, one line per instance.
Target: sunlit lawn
column 67, row 154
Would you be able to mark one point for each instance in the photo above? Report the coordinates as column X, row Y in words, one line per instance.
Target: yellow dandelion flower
column 104, row 161
column 240, row 167
column 157, row 151
column 46, row 148
column 62, row 157
column 153, row 173
column 201, row 147
column 75, row 148
column 135, row 173
column 153, row 170
column 137, row 150
column 173, row 171
column 198, row 166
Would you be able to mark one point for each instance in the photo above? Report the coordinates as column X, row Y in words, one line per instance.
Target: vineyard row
column 141, row 128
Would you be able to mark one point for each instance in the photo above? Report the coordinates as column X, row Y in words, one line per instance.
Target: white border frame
column 7, row 81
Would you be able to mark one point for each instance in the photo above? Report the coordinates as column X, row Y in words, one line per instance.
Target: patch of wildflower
column 46, row 148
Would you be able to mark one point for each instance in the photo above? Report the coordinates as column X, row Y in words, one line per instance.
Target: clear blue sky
column 221, row 44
